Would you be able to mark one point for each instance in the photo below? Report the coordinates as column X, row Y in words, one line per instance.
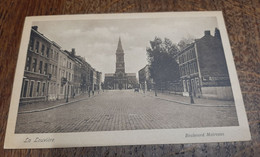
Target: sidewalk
column 186, row 100
column 46, row 105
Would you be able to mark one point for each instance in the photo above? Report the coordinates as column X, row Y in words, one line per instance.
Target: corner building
column 36, row 73
column 203, row 68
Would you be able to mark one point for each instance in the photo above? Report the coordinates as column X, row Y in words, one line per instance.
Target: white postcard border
column 129, row 137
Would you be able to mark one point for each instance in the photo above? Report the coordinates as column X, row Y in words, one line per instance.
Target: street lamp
column 67, row 98
column 190, row 91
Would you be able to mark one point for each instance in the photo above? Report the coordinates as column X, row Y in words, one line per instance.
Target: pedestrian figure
column 93, row 92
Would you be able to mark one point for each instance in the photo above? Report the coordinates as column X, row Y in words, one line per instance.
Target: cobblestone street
column 125, row 110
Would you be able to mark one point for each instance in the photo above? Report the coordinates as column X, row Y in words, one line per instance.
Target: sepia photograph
column 134, row 74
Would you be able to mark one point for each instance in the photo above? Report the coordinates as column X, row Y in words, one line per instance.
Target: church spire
column 119, row 47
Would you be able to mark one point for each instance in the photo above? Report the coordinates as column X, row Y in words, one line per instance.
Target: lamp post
column 190, row 91
column 67, row 97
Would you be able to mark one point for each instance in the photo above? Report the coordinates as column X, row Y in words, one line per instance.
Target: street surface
column 125, row 110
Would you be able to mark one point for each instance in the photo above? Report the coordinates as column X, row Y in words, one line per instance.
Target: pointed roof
column 119, row 46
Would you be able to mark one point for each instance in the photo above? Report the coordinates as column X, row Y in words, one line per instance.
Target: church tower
column 120, row 79
column 120, row 62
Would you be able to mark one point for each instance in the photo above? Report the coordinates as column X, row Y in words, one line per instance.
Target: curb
column 196, row 105
column 52, row 107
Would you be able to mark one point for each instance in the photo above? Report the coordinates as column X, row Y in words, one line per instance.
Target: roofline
column 55, row 44
column 41, row 35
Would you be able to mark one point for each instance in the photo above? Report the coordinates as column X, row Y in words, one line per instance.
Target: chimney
column 207, row 33
column 73, row 52
column 217, row 33
column 35, row 28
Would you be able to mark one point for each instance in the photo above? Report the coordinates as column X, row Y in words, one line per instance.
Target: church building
column 120, row 79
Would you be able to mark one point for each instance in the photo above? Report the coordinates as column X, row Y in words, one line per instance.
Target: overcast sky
column 97, row 40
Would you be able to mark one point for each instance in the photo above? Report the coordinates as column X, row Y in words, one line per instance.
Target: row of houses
column 52, row 73
column 202, row 68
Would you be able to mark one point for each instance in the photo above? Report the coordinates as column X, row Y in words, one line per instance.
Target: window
column 40, row 67
column 43, row 88
column 37, row 46
column 38, row 89
column 187, row 69
column 55, row 71
column 52, row 53
column 48, row 53
column 34, row 65
column 192, row 68
column 196, row 67
column 28, row 63
column 43, row 49
column 31, row 44
column 45, row 68
column 48, row 87
column 50, row 69
column 57, row 57
column 31, row 89
column 25, row 86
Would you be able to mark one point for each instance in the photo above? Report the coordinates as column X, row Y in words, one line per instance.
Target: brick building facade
column 203, row 68
column 36, row 73
column 50, row 72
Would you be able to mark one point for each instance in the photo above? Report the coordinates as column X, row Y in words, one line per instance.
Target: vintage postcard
column 125, row 79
